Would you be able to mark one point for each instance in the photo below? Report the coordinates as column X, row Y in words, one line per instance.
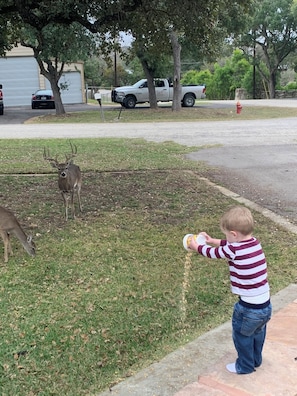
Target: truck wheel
column 188, row 100
column 130, row 102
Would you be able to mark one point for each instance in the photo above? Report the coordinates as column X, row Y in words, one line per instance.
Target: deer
column 9, row 224
column 69, row 178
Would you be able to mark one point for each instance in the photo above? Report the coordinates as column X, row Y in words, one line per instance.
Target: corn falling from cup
column 200, row 239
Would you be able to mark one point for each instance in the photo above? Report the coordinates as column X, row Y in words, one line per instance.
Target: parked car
column 43, row 98
column 1, row 101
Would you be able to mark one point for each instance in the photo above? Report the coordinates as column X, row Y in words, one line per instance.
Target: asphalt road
column 256, row 159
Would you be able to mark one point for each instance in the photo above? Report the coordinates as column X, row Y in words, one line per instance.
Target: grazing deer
column 9, row 224
column 69, row 179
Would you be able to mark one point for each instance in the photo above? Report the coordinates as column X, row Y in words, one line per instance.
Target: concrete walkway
column 277, row 375
column 198, row 368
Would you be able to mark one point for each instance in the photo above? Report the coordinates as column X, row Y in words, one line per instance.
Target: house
column 20, row 77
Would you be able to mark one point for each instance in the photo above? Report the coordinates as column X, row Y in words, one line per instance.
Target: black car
column 43, row 98
column 1, row 101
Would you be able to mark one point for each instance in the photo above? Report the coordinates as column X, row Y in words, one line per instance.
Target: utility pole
column 254, row 65
column 115, row 68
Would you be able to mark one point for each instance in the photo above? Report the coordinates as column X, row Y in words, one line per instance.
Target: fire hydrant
column 238, row 107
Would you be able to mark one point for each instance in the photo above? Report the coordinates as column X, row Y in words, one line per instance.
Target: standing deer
column 69, row 179
column 9, row 224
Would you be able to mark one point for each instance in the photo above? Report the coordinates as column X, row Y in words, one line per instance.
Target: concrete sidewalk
column 198, row 368
column 277, row 375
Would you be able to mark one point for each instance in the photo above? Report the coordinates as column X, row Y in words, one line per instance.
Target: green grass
column 26, row 156
column 203, row 112
column 103, row 296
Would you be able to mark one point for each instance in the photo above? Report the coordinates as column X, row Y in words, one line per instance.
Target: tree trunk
column 57, row 95
column 272, row 66
column 52, row 74
column 177, row 89
column 150, row 84
column 272, row 85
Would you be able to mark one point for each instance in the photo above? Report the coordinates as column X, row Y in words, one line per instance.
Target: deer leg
column 9, row 249
column 78, row 198
column 72, row 203
column 7, row 246
column 65, row 200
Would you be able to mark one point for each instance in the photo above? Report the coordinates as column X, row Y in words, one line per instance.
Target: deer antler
column 73, row 152
column 46, row 156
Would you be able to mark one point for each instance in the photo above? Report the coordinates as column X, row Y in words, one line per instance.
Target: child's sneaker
column 231, row 367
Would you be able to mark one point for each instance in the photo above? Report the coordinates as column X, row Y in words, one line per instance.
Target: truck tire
column 130, row 102
column 188, row 100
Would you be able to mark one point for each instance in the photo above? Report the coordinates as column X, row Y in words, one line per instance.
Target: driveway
column 256, row 159
column 20, row 114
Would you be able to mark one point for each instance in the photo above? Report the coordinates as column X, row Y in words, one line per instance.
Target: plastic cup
column 200, row 239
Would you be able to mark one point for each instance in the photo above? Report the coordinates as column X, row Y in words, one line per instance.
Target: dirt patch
column 164, row 196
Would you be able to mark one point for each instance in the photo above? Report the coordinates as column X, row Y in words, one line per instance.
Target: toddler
column 248, row 276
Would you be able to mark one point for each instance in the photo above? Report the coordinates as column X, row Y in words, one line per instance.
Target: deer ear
column 53, row 164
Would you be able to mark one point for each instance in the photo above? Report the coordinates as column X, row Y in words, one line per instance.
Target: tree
column 6, row 35
column 167, row 25
column 54, row 46
column 56, row 30
column 177, row 91
column 273, row 35
column 228, row 74
column 164, row 25
column 154, row 64
column 194, row 77
column 94, row 68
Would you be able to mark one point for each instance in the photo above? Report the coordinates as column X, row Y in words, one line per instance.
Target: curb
column 265, row 212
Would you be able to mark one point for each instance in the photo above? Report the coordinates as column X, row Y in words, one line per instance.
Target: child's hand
column 208, row 238
column 193, row 245
column 205, row 240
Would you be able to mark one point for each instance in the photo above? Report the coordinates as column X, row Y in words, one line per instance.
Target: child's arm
column 208, row 239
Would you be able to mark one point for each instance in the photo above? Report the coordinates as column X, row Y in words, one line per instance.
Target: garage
column 20, row 77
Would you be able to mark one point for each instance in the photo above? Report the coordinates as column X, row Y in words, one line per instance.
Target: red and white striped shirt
column 247, row 265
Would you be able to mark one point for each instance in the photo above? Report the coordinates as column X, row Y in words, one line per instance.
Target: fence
column 241, row 94
column 104, row 91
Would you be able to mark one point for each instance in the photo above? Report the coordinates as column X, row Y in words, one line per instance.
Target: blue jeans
column 249, row 332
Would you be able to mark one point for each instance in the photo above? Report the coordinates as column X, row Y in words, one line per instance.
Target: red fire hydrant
column 238, row 107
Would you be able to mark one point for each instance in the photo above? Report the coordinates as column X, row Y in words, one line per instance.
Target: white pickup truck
column 138, row 93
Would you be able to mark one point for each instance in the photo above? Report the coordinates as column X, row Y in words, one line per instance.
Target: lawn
column 203, row 111
column 105, row 295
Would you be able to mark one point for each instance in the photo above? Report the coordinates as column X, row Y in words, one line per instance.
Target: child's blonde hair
column 238, row 218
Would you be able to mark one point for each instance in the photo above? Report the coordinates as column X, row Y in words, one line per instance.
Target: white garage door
column 70, row 84
column 19, row 77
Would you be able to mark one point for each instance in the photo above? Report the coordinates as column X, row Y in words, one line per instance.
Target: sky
column 126, row 39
